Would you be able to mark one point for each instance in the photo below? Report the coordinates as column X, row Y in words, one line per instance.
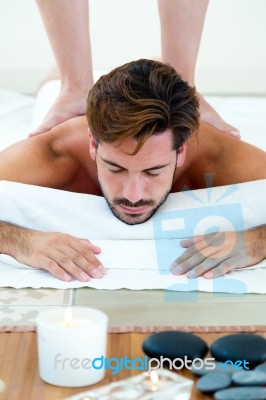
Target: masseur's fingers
column 209, row 114
column 63, row 255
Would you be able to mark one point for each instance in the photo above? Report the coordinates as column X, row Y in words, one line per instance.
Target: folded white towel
column 139, row 256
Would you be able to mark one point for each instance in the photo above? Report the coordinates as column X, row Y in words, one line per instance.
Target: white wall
column 232, row 57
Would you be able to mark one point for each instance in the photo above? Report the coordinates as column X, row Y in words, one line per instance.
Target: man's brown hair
column 140, row 99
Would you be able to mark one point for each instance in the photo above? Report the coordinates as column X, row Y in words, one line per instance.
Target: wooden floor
column 19, row 365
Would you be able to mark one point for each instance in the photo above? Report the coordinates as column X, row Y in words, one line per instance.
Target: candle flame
column 68, row 316
column 154, row 381
column 154, row 377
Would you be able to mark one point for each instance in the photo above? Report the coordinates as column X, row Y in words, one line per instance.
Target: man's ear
column 93, row 146
column 181, row 156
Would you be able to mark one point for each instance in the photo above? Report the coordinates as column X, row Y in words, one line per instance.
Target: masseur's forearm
column 64, row 256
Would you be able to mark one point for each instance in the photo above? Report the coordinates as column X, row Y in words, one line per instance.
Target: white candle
column 126, row 391
column 155, row 381
column 68, row 341
column 151, row 382
column 70, row 323
column 2, row 386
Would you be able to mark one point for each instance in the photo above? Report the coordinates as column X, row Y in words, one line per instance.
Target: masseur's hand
column 64, row 256
column 215, row 254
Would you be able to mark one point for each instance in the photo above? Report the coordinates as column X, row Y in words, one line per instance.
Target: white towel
column 138, row 256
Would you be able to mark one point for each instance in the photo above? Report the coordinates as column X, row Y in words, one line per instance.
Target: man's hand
column 64, row 256
column 216, row 254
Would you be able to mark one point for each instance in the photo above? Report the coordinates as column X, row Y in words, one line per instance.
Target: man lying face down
column 140, row 141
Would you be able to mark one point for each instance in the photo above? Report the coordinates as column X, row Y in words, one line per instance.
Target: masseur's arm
column 34, row 161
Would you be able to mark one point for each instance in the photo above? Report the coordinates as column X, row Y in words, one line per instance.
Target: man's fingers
column 192, row 263
column 70, row 264
column 189, row 242
column 198, row 247
column 51, row 266
column 193, row 256
column 223, row 268
column 85, row 258
column 68, row 256
column 86, row 262
column 215, row 254
column 93, row 247
column 205, row 267
column 66, row 263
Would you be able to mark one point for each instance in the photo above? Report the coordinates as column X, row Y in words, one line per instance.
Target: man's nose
column 133, row 189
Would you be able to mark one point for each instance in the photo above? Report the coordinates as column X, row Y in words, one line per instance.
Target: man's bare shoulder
column 69, row 137
column 239, row 161
column 46, row 159
column 227, row 159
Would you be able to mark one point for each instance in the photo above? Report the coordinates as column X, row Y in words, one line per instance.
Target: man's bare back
column 61, row 159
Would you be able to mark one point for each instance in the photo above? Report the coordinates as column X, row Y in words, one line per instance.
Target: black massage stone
column 249, row 378
column 200, row 370
column 213, row 381
column 173, row 344
column 261, row 367
column 243, row 393
column 241, row 346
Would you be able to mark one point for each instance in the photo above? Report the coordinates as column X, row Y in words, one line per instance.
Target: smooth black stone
column 219, row 367
column 213, row 381
column 243, row 393
column 200, row 369
column 173, row 344
column 249, row 378
column 261, row 367
column 242, row 346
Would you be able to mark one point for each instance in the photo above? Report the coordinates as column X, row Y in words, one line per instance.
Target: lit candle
column 68, row 341
column 2, row 386
column 69, row 322
column 126, row 391
column 151, row 382
column 155, row 381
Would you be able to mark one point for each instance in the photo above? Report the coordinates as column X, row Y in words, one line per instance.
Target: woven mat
column 140, row 311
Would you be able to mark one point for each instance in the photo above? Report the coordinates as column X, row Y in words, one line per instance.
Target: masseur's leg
column 67, row 25
column 181, row 29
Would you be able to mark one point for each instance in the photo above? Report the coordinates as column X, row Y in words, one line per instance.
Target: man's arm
column 64, row 256
column 45, row 160
column 216, row 254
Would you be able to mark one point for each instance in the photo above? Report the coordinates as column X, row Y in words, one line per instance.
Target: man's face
column 135, row 186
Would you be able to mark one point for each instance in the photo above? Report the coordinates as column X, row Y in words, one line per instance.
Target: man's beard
column 134, row 219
